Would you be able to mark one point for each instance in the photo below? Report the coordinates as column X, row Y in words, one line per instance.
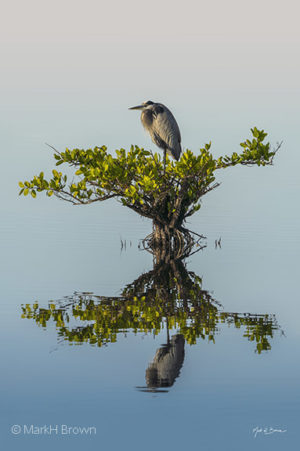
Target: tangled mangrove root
column 172, row 244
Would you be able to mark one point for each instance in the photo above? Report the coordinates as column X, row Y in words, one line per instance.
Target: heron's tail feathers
column 175, row 152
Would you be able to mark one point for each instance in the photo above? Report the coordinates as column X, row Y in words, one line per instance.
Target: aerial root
column 174, row 243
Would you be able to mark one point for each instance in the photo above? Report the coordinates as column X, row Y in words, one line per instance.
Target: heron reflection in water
column 166, row 365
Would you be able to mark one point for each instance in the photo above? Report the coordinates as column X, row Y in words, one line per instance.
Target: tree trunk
column 166, row 243
column 161, row 235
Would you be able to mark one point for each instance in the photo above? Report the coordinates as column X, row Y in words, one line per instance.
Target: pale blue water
column 224, row 390
column 50, row 250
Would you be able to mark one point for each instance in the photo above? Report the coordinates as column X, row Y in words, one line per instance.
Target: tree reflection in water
column 169, row 297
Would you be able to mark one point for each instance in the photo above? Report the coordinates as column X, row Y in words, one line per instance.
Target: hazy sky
column 149, row 21
column 154, row 44
column 70, row 69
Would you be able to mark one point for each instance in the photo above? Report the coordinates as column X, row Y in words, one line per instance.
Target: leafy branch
column 138, row 180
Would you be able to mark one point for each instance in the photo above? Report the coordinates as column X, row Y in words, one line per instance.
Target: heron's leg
column 168, row 334
column 165, row 153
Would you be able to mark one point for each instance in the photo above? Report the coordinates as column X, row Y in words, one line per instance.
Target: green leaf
column 138, row 180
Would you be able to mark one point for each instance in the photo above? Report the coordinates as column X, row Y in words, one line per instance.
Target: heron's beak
column 139, row 107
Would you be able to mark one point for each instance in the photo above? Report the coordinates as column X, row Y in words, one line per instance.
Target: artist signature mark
column 266, row 431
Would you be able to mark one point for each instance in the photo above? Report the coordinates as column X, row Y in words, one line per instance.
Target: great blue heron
column 162, row 127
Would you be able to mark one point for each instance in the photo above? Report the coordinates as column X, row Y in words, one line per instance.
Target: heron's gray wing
column 165, row 130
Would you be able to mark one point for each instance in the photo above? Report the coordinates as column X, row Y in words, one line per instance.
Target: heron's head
column 143, row 106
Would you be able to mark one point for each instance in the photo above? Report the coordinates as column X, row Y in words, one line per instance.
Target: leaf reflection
column 169, row 297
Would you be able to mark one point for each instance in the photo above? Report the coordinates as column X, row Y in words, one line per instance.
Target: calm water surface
column 93, row 336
